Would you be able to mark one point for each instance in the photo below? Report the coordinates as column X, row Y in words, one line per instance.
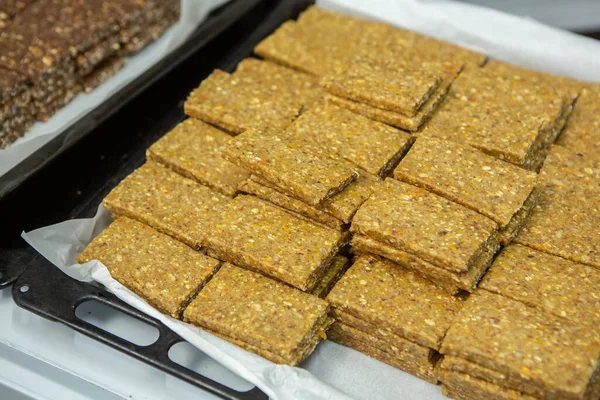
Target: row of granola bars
column 52, row 50
column 413, row 157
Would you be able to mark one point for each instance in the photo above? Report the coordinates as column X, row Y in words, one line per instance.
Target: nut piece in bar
column 469, row 177
column 235, row 105
column 168, row 202
column 395, row 300
column 565, row 221
column 480, row 110
column 426, row 225
column 160, row 269
column 550, row 283
column 282, row 323
column 540, row 354
column 582, row 132
column 327, row 129
column 310, row 178
column 193, row 149
column 259, row 236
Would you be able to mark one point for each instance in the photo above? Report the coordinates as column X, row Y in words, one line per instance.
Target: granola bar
column 480, row 109
column 167, row 202
column 582, row 132
column 467, row 176
column 298, row 86
column 553, row 284
column 565, row 219
column 44, row 113
column 236, row 105
column 261, row 312
column 163, row 271
column 379, row 292
column 329, row 130
column 511, row 71
column 540, row 354
column 259, row 236
column 428, row 226
column 310, row 178
column 89, row 60
column 394, row 119
column 289, row 203
column 101, row 73
column 416, row 363
column 452, row 282
column 464, row 387
column 193, row 149
column 343, row 205
column 395, row 88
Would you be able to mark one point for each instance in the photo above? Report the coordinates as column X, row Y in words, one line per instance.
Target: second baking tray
column 217, row 22
column 73, row 185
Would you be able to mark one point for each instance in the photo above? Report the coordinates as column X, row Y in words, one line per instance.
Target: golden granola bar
column 285, row 46
column 259, row 236
column 193, row 149
column 163, row 271
column 565, row 220
column 572, row 86
column 582, row 132
column 331, row 276
column 553, row 284
column 467, row 176
column 464, row 387
column 457, row 364
column 334, row 131
column 398, row 88
column 236, row 105
column 168, row 202
column 412, row 123
column 416, row 363
column 450, row 281
column 379, row 292
column 259, row 311
column 496, row 381
column 382, row 337
column 310, row 178
column 286, row 202
column 300, row 354
column 343, row 205
column 296, row 85
column 540, row 354
column 480, row 110
column 424, row 224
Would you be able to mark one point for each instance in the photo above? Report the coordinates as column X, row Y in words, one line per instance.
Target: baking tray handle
column 58, row 297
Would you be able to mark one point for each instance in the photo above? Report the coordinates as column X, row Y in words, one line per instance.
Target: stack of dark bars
column 52, row 50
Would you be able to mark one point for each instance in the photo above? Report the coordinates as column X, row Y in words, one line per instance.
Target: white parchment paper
column 333, row 371
column 193, row 12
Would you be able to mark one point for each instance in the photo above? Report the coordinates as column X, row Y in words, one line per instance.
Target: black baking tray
column 216, row 23
column 73, row 183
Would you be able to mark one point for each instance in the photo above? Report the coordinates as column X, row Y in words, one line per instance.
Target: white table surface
column 44, row 360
